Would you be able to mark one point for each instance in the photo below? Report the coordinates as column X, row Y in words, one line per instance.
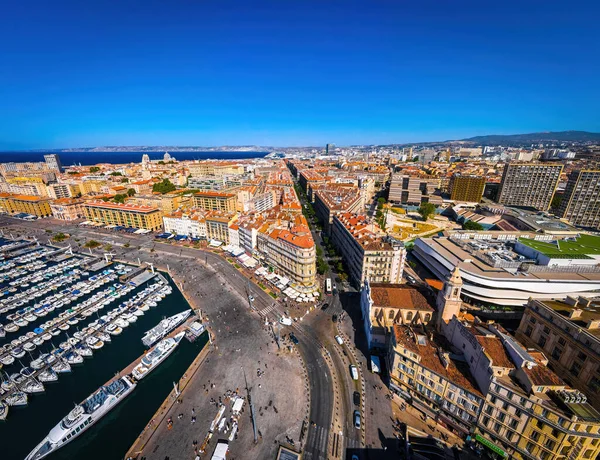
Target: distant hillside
column 559, row 136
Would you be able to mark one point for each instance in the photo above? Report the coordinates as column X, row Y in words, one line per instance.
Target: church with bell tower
column 448, row 299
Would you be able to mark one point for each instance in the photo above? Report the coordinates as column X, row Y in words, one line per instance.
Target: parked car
column 293, row 339
column 339, row 340
column 325, row 306
column 285, row 321
column 357, row 419
column 356, row 398
column 334, row 318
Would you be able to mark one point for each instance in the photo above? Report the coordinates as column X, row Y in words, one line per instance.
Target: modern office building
column 215, row 201
column 466, row 188
column 501, row 268
column 580, row 203
column 529, row 184
column 53, row 162
column 368, row 253
column 126, row 215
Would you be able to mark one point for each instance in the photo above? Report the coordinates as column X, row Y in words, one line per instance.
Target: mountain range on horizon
column 489, row 139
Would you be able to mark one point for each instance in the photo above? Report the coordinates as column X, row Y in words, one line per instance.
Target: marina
column 83, row 309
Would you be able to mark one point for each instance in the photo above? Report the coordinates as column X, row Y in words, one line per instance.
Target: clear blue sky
column 219, row 72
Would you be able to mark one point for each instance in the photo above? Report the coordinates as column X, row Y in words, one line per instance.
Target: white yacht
column 156, row 356
column 83, row 416
column 164, row 327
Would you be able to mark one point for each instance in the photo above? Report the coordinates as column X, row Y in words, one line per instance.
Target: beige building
column 334, row 200
column 33, row 205
column 126, row 215
column 466, row 188
column 414, row 190
column 290, row 254
column 67, row 208
column 215, row 201
column 217, row 225
column 368, row 253
column 57, row 191
column 568, row 333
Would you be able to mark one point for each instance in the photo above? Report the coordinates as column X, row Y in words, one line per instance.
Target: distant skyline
column 80, row 74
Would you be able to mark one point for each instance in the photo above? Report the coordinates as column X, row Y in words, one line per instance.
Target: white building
column 184, row 224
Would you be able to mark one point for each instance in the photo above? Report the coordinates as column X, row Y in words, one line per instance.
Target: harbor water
column 109, row 438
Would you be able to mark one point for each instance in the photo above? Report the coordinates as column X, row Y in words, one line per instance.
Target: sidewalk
column 414, row 419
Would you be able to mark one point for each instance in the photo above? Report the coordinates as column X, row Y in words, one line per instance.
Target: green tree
column 124, row 181
column 59, row 237
column 91, row 244
column 130, row 192
column 161, row 162
column 116, row 173
column 426, row 210
column 381, row 201
column 472, row 225
column 163, row 187
column 120, row 198
column 94, row 169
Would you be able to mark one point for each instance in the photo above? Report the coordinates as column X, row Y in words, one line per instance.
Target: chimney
column 575, row 313
column 593, row 324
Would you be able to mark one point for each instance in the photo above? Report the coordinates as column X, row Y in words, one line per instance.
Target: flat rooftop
column 576, row 247
column 587, row 314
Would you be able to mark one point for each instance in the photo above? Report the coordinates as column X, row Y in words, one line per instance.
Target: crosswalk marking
column 316, row 444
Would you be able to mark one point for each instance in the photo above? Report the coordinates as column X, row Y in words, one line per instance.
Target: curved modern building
column 506, row 269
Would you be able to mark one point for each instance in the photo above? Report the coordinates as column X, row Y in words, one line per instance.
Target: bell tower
column 448, row 299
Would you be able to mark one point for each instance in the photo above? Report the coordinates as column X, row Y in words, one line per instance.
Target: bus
column 328, row 286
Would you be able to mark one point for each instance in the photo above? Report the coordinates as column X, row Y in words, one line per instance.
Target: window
column 535, row 435
column 546, row 330
column 391, row 314
column 594, row 384
column 542, row 341
column 556, row 353
column 582, row 356
column 514, row 423
column 562, row 341
column 575, row 369
column 502, row 417
column 409, row 316
column 539, row 424
column 529, row 447
column 549, row 444
column 518, row 412
column 528, row 331
column 486, row 420
column 532, row 320
column 505, row 406
column 497, row 427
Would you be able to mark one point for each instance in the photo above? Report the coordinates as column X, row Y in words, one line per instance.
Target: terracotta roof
column 29, row 198
column 435, row 284
column 457, row 372
column 120, row 207
column 304, row 241
column 540, row 375
column 495, row 350
column 212, row 193
column 398, row 296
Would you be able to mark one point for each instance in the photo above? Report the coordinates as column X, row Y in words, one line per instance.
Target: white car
column 285, row 321
column 339, row 340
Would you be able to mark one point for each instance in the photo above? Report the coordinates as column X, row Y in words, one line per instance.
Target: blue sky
column 219, row 72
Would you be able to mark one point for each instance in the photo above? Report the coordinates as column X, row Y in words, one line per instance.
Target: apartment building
column 335, row 199
column 291, row 253
column 217, row 225
column 466, row 188
column 188, row 224
column 57, row 191
column 309, row 179
column 368, row 253
column 142, row 186
column 568, row 333
column 414, row 190
column 126, row 215
column 67, row 208
column 580, row 203
column 529, row 184
column 215, row 201
column 167, row 203
column 52, row 161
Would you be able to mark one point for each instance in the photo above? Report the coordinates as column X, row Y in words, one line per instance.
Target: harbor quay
column 241, row 343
